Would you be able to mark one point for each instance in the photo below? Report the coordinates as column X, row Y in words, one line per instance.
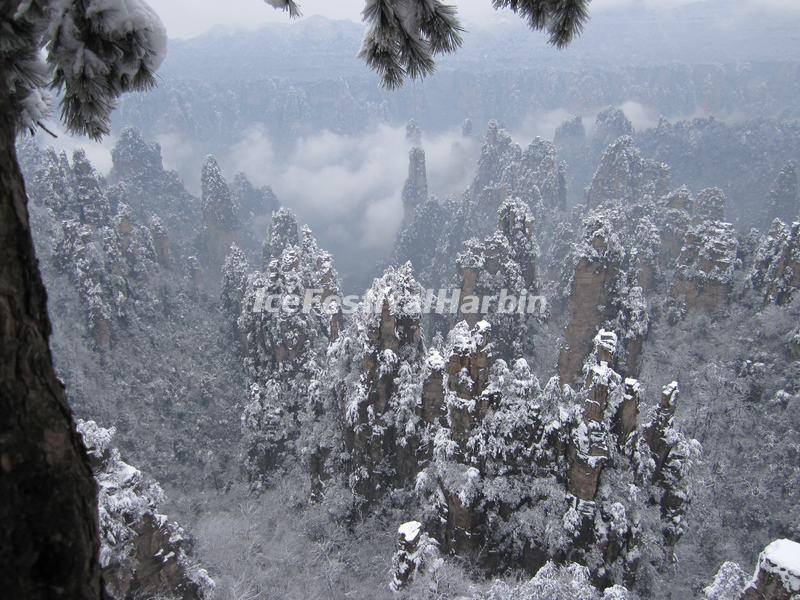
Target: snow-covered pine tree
column 93, row 55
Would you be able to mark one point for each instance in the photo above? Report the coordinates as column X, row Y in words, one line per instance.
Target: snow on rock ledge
column 409, row 531
column 782, row 558
column 778, row 574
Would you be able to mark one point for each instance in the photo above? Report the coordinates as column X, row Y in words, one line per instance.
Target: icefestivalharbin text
column 443, row 301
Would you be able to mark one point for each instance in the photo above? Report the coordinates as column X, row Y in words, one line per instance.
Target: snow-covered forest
column 250, row 270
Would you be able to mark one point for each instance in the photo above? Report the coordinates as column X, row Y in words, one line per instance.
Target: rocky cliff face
column 142, row 553
column 221, row 224
column 499, row 277
column 777, row 575
column 624, row 176
column 534, row 176
column 643, row 243
column 504, row 472
column 415, row 191
column 597, row 262
column 775, row 274
column 285, row 316
column 703, row 278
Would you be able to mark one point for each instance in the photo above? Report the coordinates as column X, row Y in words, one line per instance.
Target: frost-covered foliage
column 136, row 343
column 417, row 555
column 705, row 269
column 553, row 582
column 403, row 36
column 458, row 433
column 739, row 374
column 374, row 374
column 500, row 467
column 709, row 252
column 141, row 552
column 728, row 584
column 624, row 176
column 504, row 267
column 534, row 176
column 110, row 260
column 139, row 179
column 285, row 340
column 775, row 273
column 96, row 51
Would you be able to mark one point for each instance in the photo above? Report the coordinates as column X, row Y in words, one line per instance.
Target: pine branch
column 289, row 6
column 562, row 19
column 41, row 125
column 441, row 26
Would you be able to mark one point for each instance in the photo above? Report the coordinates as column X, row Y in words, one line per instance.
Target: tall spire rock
column 783, row 202
column 597, row 261
column 503, row 267
column 624, row 176
column 379, row 359
column 610, row 124
column 139, row 180
column 704, row 277
column 221, row 224
column 286, row 317
column 135, row 160
column 776, row 268
column 413, row 133
column 283, row 233
column 416, row 243
column 89, row 194
column 415, row 190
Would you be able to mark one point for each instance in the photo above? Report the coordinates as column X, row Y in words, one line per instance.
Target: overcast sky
column 188, row 18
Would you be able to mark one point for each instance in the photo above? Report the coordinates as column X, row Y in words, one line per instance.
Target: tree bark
column 49, row 540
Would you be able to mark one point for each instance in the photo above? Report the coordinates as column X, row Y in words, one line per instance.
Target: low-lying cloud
column 346, row 187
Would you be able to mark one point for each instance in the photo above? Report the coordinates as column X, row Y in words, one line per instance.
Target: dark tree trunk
column 48, row 499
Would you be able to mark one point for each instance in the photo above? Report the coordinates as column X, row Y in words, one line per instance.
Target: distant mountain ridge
column 710, row 32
